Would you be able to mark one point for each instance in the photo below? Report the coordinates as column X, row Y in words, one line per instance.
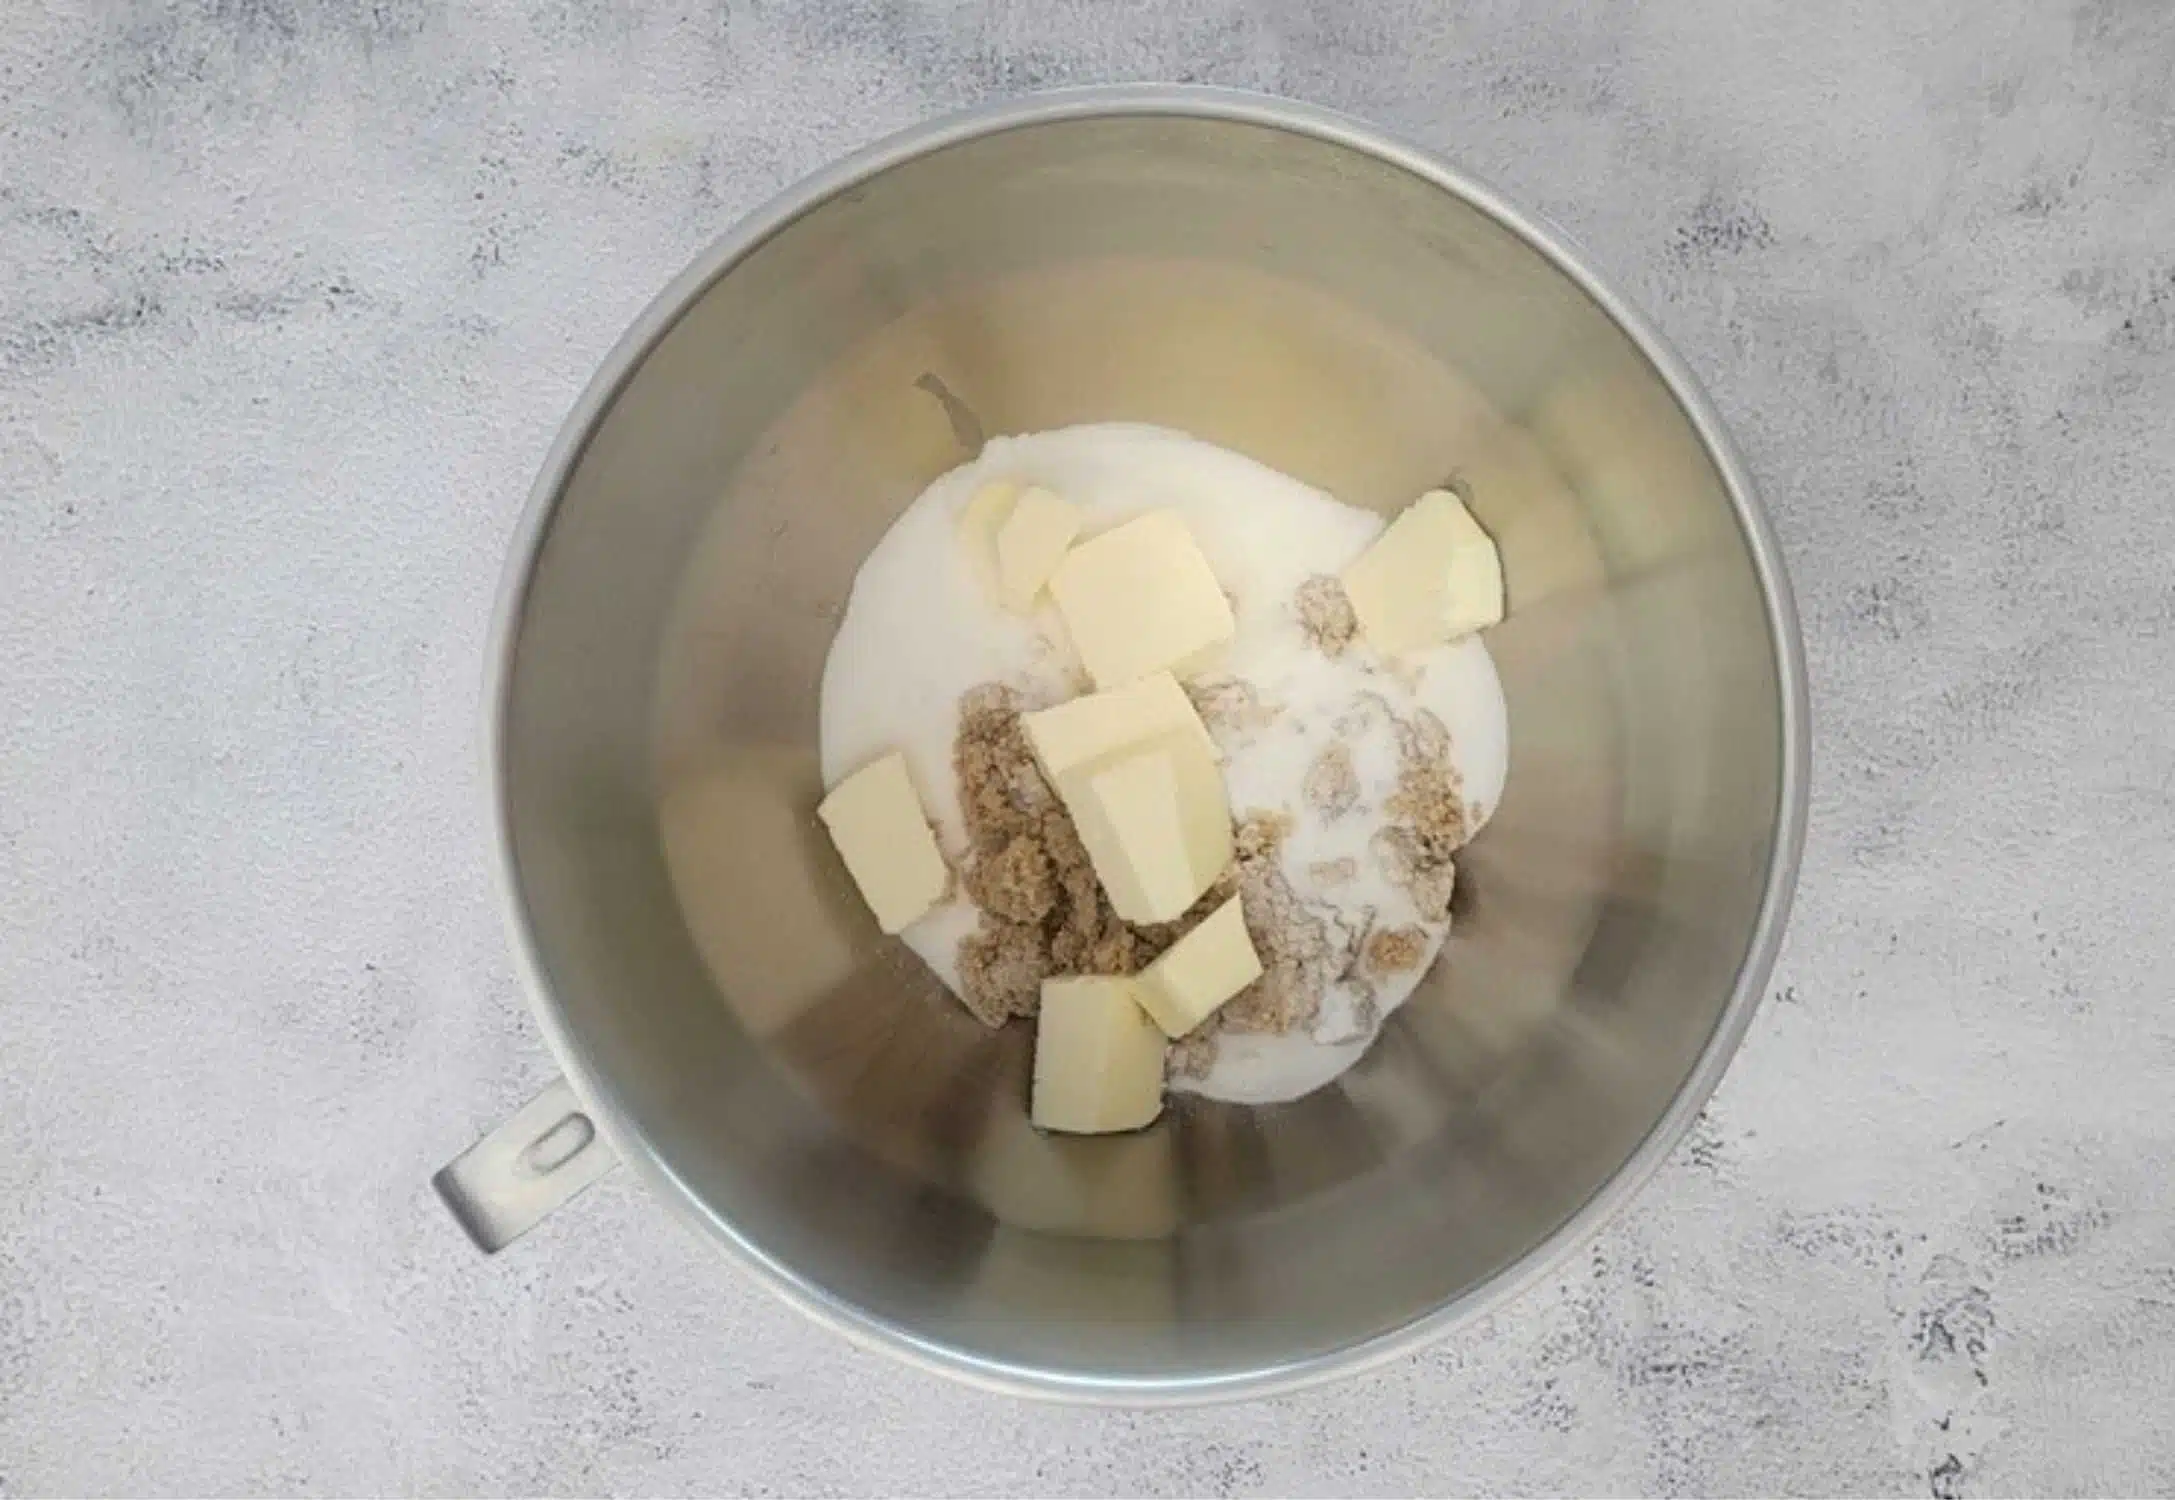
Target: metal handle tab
column 546, row 1153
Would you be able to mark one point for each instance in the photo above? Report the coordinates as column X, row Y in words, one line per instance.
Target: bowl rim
column 1180, row 101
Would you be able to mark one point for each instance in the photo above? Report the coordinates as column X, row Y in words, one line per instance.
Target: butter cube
column 1200, row 971
column 1030, row 544
column 1098, row 1059
column 1431, row 577
column 980, row 522
column 1155, row 825
column 1141, row 598
column 877, row 823
column 1094, row 725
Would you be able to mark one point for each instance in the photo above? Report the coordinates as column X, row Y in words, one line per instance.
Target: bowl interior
column 797, row 1080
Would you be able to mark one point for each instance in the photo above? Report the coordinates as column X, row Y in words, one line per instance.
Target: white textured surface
column 293, row 294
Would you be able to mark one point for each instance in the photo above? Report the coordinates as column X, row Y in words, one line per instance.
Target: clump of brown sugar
column 1428, row 817
column 1394, row 950
column 1018, row 883
column 1334, row 871
column 1001, row 969
column 1230, row 703
column 1331, row 786
column 1298, row 956
column 1193, row 1054
column 1325, row 614
column 1260, row 834
column 1430, row 801
column 1020, row 866
column 1001, row 793
column 1298, row 951
column 1422, row 740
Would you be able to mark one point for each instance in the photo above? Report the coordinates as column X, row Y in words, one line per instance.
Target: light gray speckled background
column 293, row 294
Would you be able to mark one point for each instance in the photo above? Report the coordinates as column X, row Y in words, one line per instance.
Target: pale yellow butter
column 980, row 521
column 876, row 821
column 1431, row 577
column 1030, row 544
column 1200, row 971
column 1141, row 598
column 1155, row 824
column 1089, row 727
column 1098, row 1058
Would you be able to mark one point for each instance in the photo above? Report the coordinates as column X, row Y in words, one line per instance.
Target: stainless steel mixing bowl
column 1292, row 285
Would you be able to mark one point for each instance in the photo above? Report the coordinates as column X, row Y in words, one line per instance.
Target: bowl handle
column 546, row 1153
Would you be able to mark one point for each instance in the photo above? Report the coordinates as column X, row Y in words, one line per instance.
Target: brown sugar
column 1395, row 950
column 1260, row 834
column 1001, row 969
column 1410, row 862
column 1422, row 740
column 1334, row 871
column 1230, row 703
column 1043, row 911
column 1429, row 824
column 1331, row 786
column 1193, row 1054
column 1299, row 950
column 1298, row 956
column 1017, row 883
column 1325, row 614
column 1429, row 801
